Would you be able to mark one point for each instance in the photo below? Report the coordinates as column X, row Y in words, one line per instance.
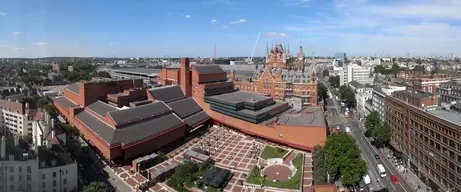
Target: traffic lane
column 370, row 158
column 370, row 152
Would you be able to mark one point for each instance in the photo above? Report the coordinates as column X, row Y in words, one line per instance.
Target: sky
column 192, row 28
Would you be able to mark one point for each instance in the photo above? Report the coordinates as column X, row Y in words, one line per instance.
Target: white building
column 42, row 167
column 378, row 95
column 16, row 118
column 354, row 72
column 362, row 94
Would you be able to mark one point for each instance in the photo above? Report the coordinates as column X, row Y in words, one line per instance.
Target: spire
column 301, row 52
column 288, row 47
column 267, row 48
column 285, row 47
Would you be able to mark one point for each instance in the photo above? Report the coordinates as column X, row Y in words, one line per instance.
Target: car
column 394, row 179
column 377, row 157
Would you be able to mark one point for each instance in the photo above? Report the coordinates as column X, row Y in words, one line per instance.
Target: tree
column 104, row 74
column 325, row 73
column 319, row 174
column 322, row 92
column 353, row 172
column 348, row 96
column 340, row 150
column 379, row 69
column 371, row 122
column 95, row 186
column 184, row 175
column 382, row 134
column 334, row 81
column 418, row 68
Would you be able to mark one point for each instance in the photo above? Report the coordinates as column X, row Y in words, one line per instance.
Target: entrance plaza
column 230, row 150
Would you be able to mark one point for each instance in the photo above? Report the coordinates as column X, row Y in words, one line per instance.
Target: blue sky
column 176, row 28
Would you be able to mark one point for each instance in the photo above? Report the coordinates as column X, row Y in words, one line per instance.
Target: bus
column 381, row 170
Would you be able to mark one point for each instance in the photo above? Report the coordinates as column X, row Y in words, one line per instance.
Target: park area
column 289, row 183
column 273, row 152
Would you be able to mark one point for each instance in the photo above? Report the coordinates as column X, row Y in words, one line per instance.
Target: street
column 369, row 152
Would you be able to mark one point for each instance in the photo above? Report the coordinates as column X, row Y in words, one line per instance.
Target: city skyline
column 191, row 28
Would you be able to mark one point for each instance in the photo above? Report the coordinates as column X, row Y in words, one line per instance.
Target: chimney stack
column 3, row 145
column 27, row 105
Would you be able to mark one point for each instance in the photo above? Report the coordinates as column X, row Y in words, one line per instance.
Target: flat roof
column 141, row 71
column 446, row 115
column 241, row 96
column 308, row 117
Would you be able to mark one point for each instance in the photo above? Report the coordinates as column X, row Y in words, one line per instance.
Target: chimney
column 53, row 134
column 17, row 101
column 16, row 140
column 185, row 77
column 232, row 74
column 3, row 147
column 27, row 105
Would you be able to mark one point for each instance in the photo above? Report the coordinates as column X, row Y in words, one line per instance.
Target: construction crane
column 250, row 59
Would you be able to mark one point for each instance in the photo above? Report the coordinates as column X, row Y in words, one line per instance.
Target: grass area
column 273, row 152
column 293, row 183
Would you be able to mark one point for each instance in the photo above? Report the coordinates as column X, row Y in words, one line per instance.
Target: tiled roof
column 140, row 112
column 101, row 108
column 12, row 106
column 167, row 93
column 74, row 88
column 131, row 133
column 185, row 107
column 208, row 69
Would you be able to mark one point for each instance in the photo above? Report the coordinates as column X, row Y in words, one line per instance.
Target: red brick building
column 421, row 80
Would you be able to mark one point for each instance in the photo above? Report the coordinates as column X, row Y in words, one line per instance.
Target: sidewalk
column 411, row 177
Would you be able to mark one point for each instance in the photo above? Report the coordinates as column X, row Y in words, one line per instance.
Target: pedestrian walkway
column 411, row 178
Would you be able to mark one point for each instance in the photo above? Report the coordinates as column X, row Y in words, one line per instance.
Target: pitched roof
column 138, row 113
column 194, row 119
column 74, row 88
column 185, row 107
column 101, row 108
column 167, row 93
column 207, row 69
column 12, row 106
column 131, row 133
column 66, row 103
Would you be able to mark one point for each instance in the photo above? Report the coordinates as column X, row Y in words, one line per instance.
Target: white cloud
column 187, row 16
column 301, row 3
column 16, row 33
column 238, row 21
column 276, row 34
column 114, row 43
column 213, row 21
column 3, row 14
column 41, row 43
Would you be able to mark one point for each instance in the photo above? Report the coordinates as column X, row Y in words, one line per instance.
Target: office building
column 341, row 58
column 354, row 72
column 378, row 94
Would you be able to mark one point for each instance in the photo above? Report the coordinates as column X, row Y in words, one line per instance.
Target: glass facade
column 341, row 58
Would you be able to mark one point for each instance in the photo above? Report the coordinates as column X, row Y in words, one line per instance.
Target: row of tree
column 322, row 92
column 334, row 81
column 380, row 131
column 343, row 160
column 319, row 175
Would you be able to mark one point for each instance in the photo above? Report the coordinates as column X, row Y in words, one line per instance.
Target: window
column 29, row 187
column 11, row 177
column 64, row 189
column 29, row 177
column 20, row 178
column 43, row 176
column 43, row 185
column 64, row 181
column 11, row 187
column 29, row 169
column 66, row 171
column 11, row 169
column 54, row 183
column 54, row 174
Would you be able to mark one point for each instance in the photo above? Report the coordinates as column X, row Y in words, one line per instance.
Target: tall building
column 449, row 92
column 341, row 58
column 378, row 98
column 283, row 78
column 354, row 72
column 426, row 137
column 16, row 118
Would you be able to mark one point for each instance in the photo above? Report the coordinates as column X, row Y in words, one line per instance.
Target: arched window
column 266, row 83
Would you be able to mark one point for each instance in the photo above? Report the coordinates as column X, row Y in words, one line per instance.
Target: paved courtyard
column 230, row 150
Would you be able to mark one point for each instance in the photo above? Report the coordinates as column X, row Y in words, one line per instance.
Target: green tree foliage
column 319, row 174
column 348, row 96
column 418, row 68
column 371, row 122
column 334, row 81
column 379, row 69
column 186, row 174
column 382, row 70
column 104, row 74
column 382, row 134
column 343, row 160
column 95, row 186
column 82, row 70
column 325, row 73
column 322, row 92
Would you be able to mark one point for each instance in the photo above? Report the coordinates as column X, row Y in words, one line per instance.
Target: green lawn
column 273, row 152
column 292, row 183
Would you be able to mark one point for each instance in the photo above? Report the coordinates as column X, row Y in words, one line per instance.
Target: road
column 369, row 152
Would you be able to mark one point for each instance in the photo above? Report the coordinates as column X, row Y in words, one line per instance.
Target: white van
column 381, row 170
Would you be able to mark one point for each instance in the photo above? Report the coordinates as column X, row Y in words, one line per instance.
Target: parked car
column 394, row 179
column 377, row 157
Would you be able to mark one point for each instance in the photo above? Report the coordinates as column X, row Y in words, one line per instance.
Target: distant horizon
column 118, row 28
